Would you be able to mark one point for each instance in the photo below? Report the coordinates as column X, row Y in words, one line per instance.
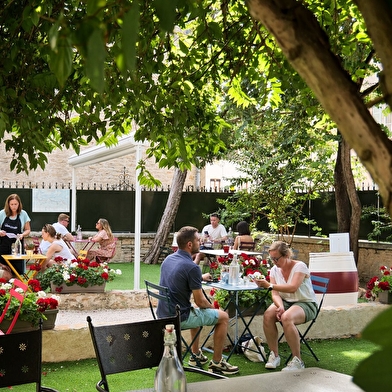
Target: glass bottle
column 17, row 246
column 170, row 375
column 234, row 270
column 230, row 238
column 79, row 233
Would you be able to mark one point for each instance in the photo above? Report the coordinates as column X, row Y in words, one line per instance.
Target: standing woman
column 104, row 238
column 13, row 221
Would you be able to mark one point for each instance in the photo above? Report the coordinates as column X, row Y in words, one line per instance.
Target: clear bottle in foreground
column 170, row 375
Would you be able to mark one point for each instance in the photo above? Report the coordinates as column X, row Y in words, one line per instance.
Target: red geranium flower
column 375, row 285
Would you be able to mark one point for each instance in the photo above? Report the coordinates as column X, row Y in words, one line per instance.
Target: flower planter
column 385, row 297
column 20, row 326
column 64, row 289
column 51, row 315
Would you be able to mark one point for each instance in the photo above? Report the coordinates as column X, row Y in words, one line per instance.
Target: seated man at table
column 61, row 228
column 214, row 232
column 183, row 278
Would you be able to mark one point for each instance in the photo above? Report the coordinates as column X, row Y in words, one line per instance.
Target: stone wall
column 371, row 255
column 58, row 171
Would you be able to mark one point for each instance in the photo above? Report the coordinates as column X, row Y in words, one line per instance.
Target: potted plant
column 29, row 247
column 381, row 287
column 36, row 305
column 76, row 275
column 251, row 266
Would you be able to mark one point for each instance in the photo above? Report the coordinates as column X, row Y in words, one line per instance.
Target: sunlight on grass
column 356, row 355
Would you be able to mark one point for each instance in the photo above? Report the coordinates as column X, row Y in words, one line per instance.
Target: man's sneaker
column 273, row 362
column 294, row 364
column 222, row 367
column 201, row 359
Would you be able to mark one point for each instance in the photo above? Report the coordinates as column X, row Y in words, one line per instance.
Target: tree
column 127, row 53
column 285, row 155
column 306, row 47
column 168, row 217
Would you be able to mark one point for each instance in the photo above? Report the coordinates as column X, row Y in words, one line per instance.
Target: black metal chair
column 132, row 346
column 21, row 359
column 320, row 286
column 247, row 245
column 161, row 293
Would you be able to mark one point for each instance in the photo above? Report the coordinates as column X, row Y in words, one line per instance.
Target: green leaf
column 130, row 31
column 373, row 373
column 94, row 5
column 95, row 60
column 379, row 329
column 166, row 11
column 61, row 60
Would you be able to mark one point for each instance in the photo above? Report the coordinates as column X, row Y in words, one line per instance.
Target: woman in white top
column 57, row 248
column 294, row 302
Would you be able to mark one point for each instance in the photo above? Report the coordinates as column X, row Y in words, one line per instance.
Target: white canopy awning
column 125, row 146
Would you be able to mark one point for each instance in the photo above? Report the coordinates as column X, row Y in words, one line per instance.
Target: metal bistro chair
column 21, row 359
column 320, row 286
column 248, row 246
column 161, row 293
column 112, row 247
column 132, row 346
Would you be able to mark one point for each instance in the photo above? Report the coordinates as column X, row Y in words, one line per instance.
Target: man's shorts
column 199, row 317
column 310, row 308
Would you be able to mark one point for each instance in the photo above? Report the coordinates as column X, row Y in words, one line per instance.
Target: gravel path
column 74, row 317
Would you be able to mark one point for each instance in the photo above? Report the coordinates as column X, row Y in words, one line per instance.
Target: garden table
column 239, row 313
column 306, row 380
column 221, row 252
column 84, row 244
column 28, row 273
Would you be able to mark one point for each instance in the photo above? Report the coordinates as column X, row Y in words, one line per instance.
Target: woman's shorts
column 310, row 308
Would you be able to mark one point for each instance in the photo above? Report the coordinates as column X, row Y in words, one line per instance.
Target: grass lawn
column 341, row 355
column 125, row 281
column 338, row 355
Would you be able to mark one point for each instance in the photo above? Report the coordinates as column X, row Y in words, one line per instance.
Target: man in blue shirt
column 183, row 278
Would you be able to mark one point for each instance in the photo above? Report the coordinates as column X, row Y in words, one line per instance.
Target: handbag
column 250, row 350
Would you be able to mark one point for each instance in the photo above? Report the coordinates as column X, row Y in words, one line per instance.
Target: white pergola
column 125, row 146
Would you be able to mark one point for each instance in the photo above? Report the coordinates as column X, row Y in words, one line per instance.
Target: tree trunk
column 352, row 194
column 348, row 206
column 341, row 198
column 167, row 220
